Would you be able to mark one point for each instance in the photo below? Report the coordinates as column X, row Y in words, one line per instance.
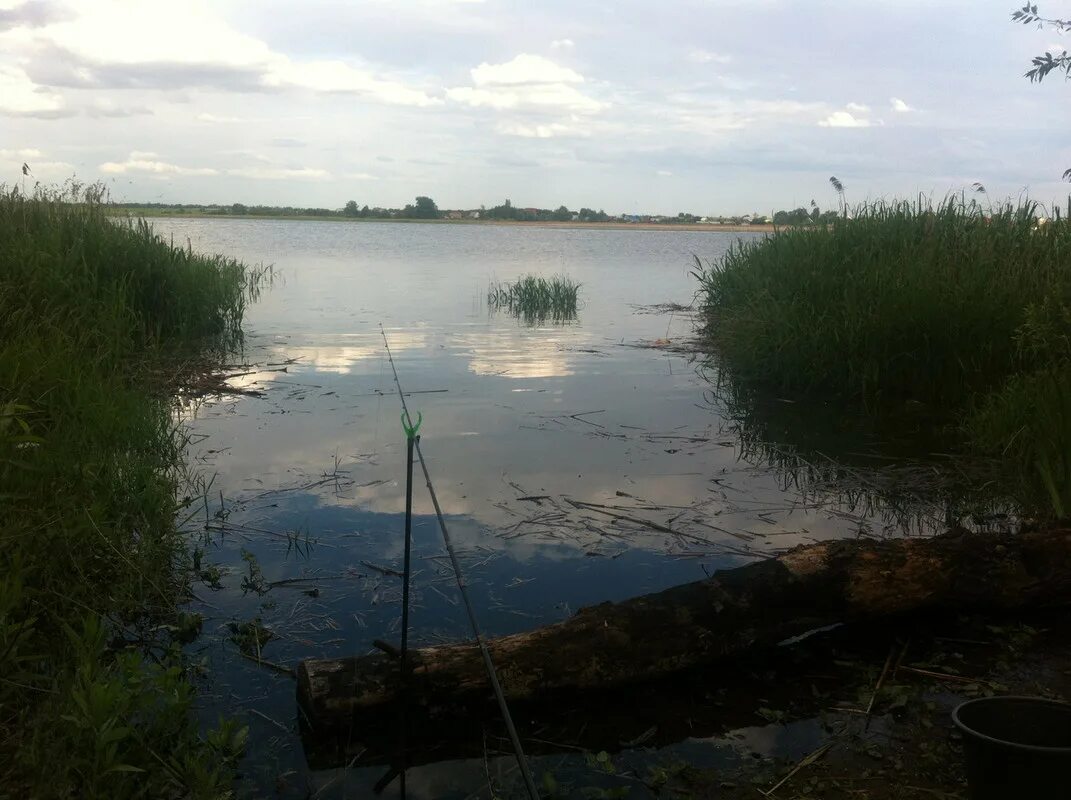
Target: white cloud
column 216, row 119
column 844, row 119
column 337, row 76
column 524, row 69
column 19, row 96
column 553, row 96
column 152, row 45
column 664, row 173
column 117, row 32
column 361, row 176
column 708, row 57
column 149, row 163
column 106, row 107
column 562, row 44
column 899, row 105
column 526, row 82
column 857, row 108
column 706, row 117
column 538, row 131
column 278, row 173
column 24, row 153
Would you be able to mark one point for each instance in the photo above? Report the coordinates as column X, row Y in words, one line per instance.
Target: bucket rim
column 1030, row 748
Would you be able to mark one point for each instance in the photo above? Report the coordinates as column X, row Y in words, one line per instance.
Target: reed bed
column 535, row 299
column 92, row 310
column 960, row 310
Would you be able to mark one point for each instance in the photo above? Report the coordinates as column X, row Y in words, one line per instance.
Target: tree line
column 425, row 208
column 801, row 216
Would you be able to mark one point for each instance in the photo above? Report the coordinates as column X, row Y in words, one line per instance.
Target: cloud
column 285, row 141
column 339, row 77
column 858, row 108
column 524, row 69
column 538, row 131
column 708, row 57
column 554, row 96
column 697, row 114
column 663, row 173
column 149, row 163
column 122, row 45
column 104, row 107
column 844, row 119
column 526, row 82
column 21, row 154
column 899, row 105
column 361, row 176
column 215, row 119
column 562, row 44
column 20, row 97
column 31, row 14
column 278, row 173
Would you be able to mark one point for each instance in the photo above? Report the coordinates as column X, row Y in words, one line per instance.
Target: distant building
column 454, row 215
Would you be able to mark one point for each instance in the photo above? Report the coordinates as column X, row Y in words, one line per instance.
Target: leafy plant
column 536, row 299
column 959, row 310
column 97, row 315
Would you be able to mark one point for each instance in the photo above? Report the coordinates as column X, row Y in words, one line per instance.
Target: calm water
column 307, row 478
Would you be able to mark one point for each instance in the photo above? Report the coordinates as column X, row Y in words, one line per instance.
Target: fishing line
column 492, row 674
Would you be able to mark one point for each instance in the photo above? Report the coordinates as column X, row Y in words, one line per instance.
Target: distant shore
column 632, row 226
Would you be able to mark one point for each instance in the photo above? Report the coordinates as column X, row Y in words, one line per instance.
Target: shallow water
column 303, row 511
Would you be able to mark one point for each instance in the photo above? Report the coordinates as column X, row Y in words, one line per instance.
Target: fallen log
column 761, row 604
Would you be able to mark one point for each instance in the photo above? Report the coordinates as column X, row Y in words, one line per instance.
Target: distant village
column 424, row 208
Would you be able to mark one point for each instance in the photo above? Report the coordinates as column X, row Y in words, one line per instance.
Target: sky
column 705, row 106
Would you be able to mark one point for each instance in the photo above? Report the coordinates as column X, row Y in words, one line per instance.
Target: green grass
column 536, row 299
column 958, row 312
column 94, row 701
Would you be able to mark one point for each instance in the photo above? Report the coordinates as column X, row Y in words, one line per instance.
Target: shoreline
column 635, row 226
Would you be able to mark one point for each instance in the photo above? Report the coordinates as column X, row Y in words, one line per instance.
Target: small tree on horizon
column 423, row 208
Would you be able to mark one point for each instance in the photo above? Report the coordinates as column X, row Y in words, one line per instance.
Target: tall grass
column 902, row 302
column 536, row 299
column 91, row 310
column 959, row 309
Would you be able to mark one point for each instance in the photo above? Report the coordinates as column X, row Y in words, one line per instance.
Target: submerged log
column 760, row 604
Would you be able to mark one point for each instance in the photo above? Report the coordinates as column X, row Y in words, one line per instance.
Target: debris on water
column 383, row 570
column 250, row 636
column 662, row 308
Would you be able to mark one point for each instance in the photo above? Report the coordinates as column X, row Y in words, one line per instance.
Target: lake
column 300, row 523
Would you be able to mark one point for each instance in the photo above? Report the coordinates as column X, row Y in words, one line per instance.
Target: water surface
column 553, row 449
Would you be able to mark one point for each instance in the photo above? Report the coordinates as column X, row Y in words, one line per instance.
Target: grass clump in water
column 96, row 702
column 536, row 299
column 959, row 310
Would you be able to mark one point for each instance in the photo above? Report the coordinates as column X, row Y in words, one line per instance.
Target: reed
column 959, row 309
column 92, row 311
column 536, row 299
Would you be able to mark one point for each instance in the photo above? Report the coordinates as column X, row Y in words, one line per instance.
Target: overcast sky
column 720, row 106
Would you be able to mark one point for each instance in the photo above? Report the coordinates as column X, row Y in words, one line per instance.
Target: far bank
column 636, row 226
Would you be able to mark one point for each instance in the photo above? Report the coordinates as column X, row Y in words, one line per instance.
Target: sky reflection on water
column 521, row 424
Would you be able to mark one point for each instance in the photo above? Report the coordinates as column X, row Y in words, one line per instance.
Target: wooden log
column 760, row 604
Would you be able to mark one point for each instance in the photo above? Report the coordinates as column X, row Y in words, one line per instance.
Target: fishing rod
column 492, row 674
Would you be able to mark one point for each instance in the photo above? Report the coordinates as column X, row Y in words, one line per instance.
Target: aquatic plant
column 535, row 299
column 95, row 315
column 958, row 311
